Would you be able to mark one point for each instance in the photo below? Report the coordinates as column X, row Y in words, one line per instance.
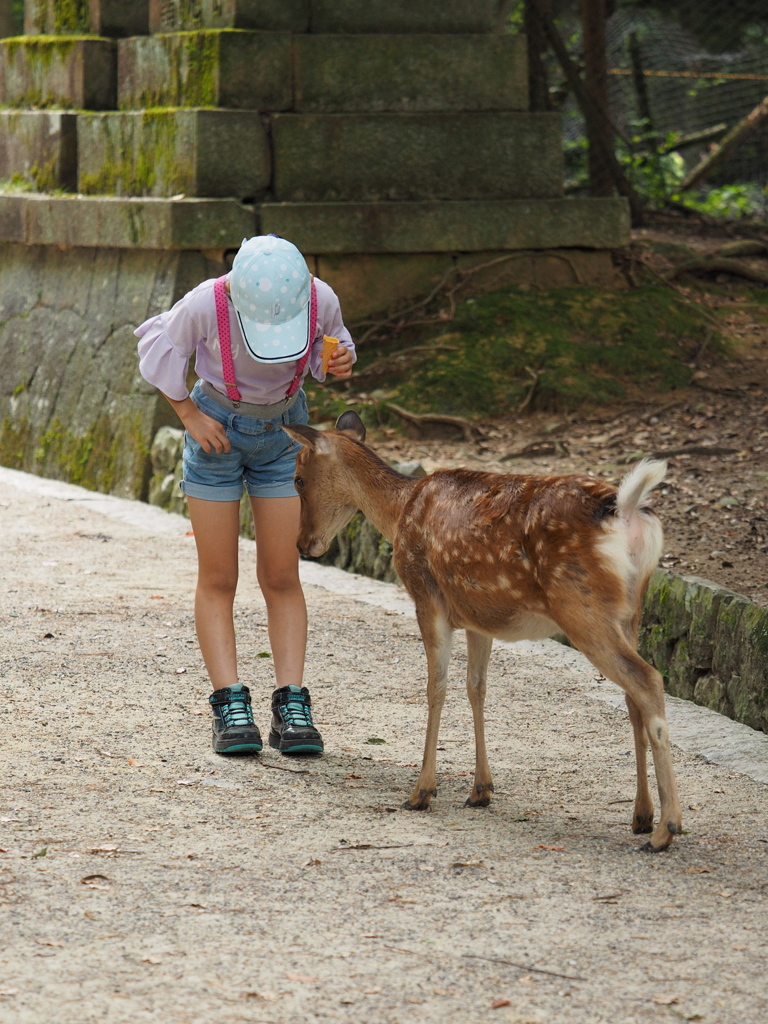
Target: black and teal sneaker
column 233, row 728
column 292, row 730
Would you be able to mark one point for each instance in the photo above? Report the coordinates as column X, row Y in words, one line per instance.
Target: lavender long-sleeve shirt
column 167, row 341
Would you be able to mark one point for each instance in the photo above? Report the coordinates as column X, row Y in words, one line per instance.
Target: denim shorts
column 262, row 457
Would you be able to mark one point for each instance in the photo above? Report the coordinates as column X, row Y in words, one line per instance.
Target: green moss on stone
column 95, row 460
column 136, row 153
column 13, row 442
column 71, row 15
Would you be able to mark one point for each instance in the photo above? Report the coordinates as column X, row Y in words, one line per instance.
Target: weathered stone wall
column 72, row 403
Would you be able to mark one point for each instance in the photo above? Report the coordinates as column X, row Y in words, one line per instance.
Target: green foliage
column 558, row 350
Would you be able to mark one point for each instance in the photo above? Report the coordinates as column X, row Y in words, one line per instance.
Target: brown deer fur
column 509, row 556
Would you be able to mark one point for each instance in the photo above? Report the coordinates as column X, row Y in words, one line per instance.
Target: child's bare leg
column 276, row 522
column 216, row 525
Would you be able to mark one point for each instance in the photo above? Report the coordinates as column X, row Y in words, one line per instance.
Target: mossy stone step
column 102, row 17
column 114, row 222
column 340, row 73
column 351, row 16
column 406, row 15
column 206, row 153
column 317, row 157
column 217, row 68
column 270, row 15
column 39, row 148
column 68, row 72
column 468, row 226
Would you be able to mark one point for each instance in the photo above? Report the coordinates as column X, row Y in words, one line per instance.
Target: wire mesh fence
column 672, row 85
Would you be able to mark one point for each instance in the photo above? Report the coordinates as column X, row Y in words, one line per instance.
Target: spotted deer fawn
column 508, row 556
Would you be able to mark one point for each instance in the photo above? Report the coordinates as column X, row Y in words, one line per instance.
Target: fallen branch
column 492, row 960
column 720, row 265
column 419, row 420
column 732, row 140
column 692, row 449
column 280, row 768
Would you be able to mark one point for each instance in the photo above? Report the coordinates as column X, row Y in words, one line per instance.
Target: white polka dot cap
column 270, row 286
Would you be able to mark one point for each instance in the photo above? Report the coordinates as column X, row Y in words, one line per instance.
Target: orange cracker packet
column 329, row 347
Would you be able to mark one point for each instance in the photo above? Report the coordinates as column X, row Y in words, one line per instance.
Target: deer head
column 322, row 480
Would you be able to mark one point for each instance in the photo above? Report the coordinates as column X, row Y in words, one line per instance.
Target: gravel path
column 143, row 879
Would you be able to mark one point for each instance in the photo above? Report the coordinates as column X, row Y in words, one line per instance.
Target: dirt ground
column 714, row 436
column 165, row 885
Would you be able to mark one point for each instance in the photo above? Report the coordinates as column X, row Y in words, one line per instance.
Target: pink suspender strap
column 225, row 340
column 296, row 379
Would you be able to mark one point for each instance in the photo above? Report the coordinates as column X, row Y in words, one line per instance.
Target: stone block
column 172, row 152
column 241, row 70
column 39, row 148
column 362, row 16
column 12, row 218
column 425, row 227
column 270, row 15
column 370, row 284
column 77, row 72
column 56, row 17
column 748, row 690
column 336, row 73
column 125, row 223
column 118, row 18
column 395, row 157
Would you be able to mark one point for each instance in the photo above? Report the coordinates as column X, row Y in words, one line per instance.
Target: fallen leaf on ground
column 498, row 1003
column 9, row 991
column 666, row 1000
column 697, row 871
column 107, row 848
column 92, row 881
column 134, row 762
column 46, row 942
column 151, row 960
column 40, row 853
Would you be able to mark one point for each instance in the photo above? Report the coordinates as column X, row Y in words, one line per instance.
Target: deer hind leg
column 438, row 637
column 610, row 652
column 642, row 817
column 479, row 653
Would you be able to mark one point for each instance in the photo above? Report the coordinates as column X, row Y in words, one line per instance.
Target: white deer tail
column 637, row 485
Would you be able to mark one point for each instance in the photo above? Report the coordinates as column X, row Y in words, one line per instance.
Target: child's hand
column 209, row 434
column 340, row 364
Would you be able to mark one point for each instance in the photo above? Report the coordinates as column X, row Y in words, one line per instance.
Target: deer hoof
column 422, row 801
column 482, row 802
column 662, row 841
column 642, row 824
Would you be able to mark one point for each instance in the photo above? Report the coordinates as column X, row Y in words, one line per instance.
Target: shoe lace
column 297, row 712
column 237, row 712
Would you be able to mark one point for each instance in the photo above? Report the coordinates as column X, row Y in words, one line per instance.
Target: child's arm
column 208, row 433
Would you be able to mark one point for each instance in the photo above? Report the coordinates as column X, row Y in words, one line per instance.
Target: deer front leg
column 437, row 636
column 478, row 655
column 642, row 817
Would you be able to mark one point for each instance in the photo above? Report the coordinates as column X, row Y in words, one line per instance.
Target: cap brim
column 276, row 343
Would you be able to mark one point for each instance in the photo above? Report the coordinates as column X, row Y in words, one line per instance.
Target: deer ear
column 309, row 438
column 350, row 423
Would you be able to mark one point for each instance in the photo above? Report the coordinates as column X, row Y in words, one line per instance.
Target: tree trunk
column 593, row 16
column 538, row 86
